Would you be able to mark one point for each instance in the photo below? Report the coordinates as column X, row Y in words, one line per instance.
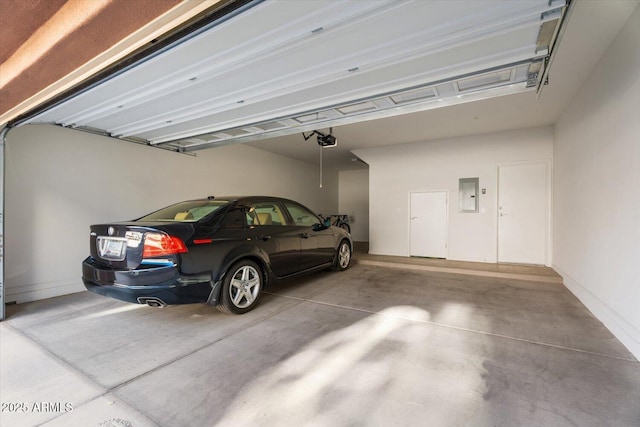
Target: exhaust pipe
column 152, row 302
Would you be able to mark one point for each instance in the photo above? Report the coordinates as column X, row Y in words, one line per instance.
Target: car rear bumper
column 165, row 284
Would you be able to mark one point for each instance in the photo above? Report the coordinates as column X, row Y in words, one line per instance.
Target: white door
column 429, row 224
column 523, row 213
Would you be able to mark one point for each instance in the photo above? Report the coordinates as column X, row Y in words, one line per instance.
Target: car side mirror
column 327, row 223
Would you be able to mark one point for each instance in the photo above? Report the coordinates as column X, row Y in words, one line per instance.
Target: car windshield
column 186, row 211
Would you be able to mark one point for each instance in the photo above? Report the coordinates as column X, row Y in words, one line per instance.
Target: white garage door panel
column 282, row 60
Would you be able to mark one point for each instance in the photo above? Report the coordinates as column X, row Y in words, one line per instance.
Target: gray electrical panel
column 468, row 194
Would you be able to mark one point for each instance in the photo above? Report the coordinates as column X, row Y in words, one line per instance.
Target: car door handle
column 304, row 235
column 265, row 238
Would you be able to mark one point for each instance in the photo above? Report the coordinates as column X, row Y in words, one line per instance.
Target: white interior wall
column 597, row 189
column 353, row 200
column 396, row 171
column 59, row 182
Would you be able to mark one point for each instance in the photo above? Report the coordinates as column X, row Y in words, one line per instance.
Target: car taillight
column 157, row 244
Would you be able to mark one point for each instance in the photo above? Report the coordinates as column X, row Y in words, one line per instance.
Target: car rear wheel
column 241, row 288
column 343, row 257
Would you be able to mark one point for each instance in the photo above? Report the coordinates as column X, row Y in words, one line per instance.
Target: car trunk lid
column 122, row 245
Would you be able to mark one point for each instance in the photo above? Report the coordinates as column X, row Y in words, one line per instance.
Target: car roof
column 244, row 199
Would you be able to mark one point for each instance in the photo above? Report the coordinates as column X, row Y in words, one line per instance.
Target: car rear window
column 186, row 211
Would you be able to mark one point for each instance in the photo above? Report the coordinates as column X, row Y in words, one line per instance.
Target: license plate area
column 112, row 248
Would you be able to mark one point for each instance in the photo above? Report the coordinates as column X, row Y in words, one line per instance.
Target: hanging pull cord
column 320, row 167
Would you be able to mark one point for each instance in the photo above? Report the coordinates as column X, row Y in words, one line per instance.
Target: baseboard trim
column 622, row 329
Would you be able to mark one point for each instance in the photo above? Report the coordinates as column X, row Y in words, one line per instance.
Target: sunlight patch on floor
column 357, row 360
column 118, row 310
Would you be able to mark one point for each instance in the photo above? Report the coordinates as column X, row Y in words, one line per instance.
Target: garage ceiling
column 275, row 68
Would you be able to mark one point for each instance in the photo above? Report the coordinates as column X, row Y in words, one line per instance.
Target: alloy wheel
column 344, row 256
column 244, row 287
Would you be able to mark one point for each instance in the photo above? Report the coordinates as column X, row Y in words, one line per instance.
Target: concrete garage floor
column 389, row 342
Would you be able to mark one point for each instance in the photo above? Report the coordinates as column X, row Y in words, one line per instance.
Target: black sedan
column 220, row 251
